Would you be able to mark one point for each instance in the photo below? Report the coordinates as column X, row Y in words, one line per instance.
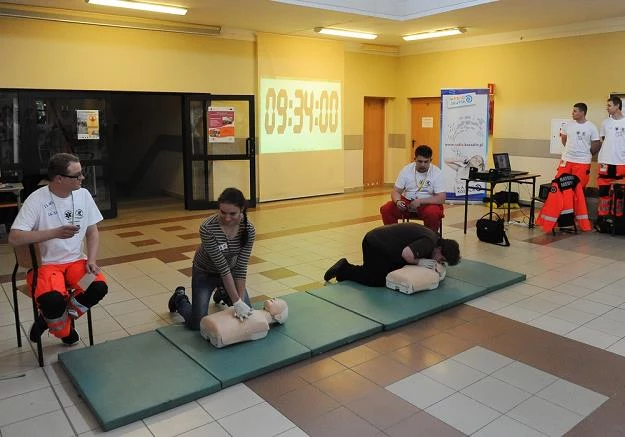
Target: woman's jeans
column 202, row 287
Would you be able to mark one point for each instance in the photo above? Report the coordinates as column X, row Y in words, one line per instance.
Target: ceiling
column 503, row 21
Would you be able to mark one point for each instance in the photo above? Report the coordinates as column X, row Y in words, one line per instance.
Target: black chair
column 412, row 215
column 29, row 257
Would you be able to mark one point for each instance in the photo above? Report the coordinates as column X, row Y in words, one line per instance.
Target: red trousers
column 582, row 171
column 431, row 214
column 607, row 174
column 58, row 277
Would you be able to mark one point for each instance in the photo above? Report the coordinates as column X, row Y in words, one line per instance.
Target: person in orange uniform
column 580, row 139
column 59, row 217
column 611, row 156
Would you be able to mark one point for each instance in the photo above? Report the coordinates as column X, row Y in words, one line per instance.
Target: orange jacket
column 565, row 203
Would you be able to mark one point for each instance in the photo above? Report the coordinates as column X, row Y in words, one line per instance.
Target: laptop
column 502, row 165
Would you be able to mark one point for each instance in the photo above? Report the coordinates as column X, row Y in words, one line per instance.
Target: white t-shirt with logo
column 420, row 185
column 613, row 147
column 44, row 210
column 579, row 137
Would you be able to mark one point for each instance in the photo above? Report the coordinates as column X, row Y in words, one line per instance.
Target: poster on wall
column 558, row 125
column 88, row 124
column 464, row 139
column 220, row 124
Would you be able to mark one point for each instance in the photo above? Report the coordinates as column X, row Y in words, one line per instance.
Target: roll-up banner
column 464, row 139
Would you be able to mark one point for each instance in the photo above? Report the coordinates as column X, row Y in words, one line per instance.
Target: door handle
column 249, row 147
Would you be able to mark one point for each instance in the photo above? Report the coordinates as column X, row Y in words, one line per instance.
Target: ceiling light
column 435, row 34
column 150, row 7
column 346, row 33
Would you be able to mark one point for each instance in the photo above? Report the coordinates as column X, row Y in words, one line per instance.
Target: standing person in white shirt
column 580, row 139
column 419, row 192
column 611, row 156
column 59, row 217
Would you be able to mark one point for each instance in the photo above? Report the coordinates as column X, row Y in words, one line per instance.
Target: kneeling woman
column 221, row 261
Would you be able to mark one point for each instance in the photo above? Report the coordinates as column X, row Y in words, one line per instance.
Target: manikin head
column 278, row 309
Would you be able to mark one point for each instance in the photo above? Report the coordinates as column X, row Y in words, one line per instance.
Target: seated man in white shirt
column 419, row 192
column 59, row 217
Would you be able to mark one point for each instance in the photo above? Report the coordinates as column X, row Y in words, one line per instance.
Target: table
column 521, row 179
column 15, row 189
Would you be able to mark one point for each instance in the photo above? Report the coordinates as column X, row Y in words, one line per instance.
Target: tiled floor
column 544, row 357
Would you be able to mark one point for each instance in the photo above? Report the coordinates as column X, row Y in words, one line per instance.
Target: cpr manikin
column 414, row 278
column 223, row 328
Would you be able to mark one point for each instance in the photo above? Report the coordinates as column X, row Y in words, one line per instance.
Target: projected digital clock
column 298, row 115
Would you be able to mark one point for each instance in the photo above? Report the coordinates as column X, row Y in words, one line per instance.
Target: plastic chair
column 29, row 257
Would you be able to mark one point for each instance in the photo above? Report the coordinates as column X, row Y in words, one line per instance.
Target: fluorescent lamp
column 150, row 7
column 434, row 34
column 345, row 33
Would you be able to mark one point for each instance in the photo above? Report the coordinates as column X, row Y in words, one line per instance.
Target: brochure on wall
column 220, row 124
column 555, row 142
column 464, row 139
column 88, row 124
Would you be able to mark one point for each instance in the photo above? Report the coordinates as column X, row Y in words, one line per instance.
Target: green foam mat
column 393, row 309
column 484, row 275
column 134, row 377
column 320, row 325
column 238, row 362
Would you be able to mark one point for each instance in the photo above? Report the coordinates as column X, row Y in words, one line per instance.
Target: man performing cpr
column 390, row 247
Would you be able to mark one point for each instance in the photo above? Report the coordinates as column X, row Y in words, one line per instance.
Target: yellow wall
column 290, row 175
column 366, row 76
column 535, row 81
column 50, row 55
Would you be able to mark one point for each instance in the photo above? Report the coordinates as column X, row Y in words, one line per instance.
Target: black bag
column 502, row 197
column 491, row 230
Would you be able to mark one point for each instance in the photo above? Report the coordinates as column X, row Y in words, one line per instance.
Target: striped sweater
column 219, row 255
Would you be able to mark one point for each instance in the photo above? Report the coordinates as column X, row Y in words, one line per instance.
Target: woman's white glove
column 241, row 310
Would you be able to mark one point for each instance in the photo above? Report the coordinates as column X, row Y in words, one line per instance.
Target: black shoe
column 39, row 327
column 72, row 338
column 332, row 271
column 220, row 296
column 176, row 298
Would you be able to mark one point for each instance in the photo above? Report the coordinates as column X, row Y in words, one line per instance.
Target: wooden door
column 373, row 142
column 426, row 125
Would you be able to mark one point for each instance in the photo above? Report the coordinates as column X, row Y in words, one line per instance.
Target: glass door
column 71, row 122
column 219, row 148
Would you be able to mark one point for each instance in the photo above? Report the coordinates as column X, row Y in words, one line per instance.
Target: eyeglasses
column 77, row 176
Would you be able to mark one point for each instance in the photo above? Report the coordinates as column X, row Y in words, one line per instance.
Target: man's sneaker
column 39, row 327
column 176, row 298
column 72, row 338
column 332, row 271
column 220, row 296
